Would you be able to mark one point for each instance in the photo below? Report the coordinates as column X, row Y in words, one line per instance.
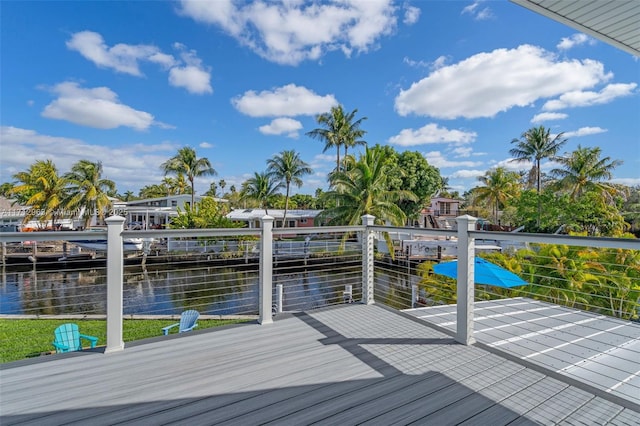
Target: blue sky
column 129, row 83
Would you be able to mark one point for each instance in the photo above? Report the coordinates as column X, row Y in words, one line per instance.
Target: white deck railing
column 269, row 244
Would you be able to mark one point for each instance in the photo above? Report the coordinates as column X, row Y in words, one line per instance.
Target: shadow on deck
column 353, row 364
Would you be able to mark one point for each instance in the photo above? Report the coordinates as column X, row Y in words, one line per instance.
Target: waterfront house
column 295, row 218
column 155, row 213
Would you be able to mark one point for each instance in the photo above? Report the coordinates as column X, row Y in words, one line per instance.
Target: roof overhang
column 614, row 22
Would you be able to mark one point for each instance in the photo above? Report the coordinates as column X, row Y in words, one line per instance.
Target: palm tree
column 88, row 190
column 338, row 129
column 186, row 162
column 153, row 191
column 177, row 185
column 499, row 186
column 222, row 184
column 127, row 196
column 584, row 170
column 535, row 145
column 42, row 189
column 288, row 167
column 362, row 188
column 352, row 133
column 261, row 187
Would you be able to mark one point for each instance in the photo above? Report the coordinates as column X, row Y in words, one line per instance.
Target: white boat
column 432, row 248
column 129, row 244
column 440, row 248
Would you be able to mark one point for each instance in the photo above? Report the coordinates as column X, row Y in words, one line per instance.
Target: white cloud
column 467, row 174
column 289, row 100
column 120, row 57
column 478, row 12
column 205, row 145
column 411, row 15
column 413, row 63
column 193, row 76
column 523, row 166
column 121, row 163
column 194, row 79
column 282, row 125
column 627, row 181
column 575, row 40
column 584, row 131
column 289, row 32
column 440, row 62
column 488, row 83
column 98, row 107
column 437, row 159
column 515, row 166
column 579, row 98
column 431, row 133
column 325, row 158
column 548, row 116
column 462, row 151
column 188, row 73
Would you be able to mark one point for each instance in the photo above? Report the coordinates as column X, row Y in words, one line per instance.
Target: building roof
column 614, row 22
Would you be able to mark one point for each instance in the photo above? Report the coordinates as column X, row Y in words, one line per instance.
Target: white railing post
column 279, row 298
column 414, row 296
column 465, row 288
column 115, row 270
column 367, row 260
column 266, row 271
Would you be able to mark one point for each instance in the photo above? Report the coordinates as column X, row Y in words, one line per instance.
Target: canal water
column 163, row 291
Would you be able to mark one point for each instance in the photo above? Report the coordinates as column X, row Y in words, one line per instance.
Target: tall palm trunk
column 286, row 206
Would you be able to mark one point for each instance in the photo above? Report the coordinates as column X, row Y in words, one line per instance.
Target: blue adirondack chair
column 188, row 321
column 67, row 338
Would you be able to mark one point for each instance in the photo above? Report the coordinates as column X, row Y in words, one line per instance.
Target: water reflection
column 165, row 291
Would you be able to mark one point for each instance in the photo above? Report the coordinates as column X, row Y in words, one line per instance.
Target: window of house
column 174, row 203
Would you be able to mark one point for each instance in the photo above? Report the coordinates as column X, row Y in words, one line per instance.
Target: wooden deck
column 353, row 364
column 599, row 351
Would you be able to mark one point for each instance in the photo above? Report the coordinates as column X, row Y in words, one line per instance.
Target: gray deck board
column 354, row 364
column 600, row 351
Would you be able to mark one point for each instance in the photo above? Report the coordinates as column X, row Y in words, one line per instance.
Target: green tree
column 631, row 210
column 88, row 190
column 234, row 196
column 187, row 162
column 153, row 191
column 535, row 145
column 177, row 185
column 261, row 187
column 127, row 196
column 43, row 190
column 288, row 168
column 412, row 172
column 5, row 189
column 500, row 186
column 222, row 184
column 593, row 215
column 212, row 191
column 589, row 214
column 614, row 288
column 206, row 213
column 362, row 188
column 303, row 201
column 338, row 129
column 584, row 170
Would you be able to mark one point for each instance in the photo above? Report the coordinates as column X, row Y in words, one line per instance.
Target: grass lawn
column 21, row 339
